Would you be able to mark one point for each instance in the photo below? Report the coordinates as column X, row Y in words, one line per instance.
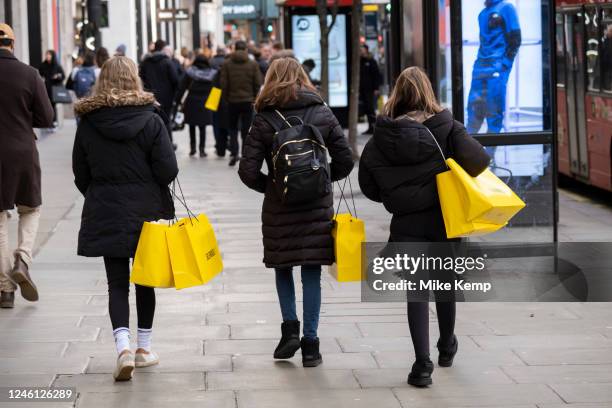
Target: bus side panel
column 599, row 131
column 562, row 133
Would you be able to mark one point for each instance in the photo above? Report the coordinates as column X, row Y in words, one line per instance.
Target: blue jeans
column 311, row 286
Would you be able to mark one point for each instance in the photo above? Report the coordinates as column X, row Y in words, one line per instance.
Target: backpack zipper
column 275, row 157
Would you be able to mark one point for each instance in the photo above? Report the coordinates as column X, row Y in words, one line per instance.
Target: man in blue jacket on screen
column 500, row 39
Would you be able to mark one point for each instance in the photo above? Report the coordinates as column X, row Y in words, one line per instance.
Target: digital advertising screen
column 502, row 74
column 306, row 35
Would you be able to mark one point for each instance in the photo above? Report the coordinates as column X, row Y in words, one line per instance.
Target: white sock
column 144, row 338
column 122, row 339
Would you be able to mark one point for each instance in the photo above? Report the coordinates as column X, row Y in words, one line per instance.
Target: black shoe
column 310, row 352
column 203, row 153
column 290, row 340
column 192, row 152
column 7, row 300
column 174, row 146
column 447, row 354
column 420, row 376
column 233, row 161
column 20, row 276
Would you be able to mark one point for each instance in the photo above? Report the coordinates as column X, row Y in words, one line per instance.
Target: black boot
column 290, row 340
column 447, row 354
column 310, row 352
column 420, row 376
column 7, row 300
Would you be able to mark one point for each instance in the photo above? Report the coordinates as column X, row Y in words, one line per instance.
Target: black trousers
column 221, row 135
column 192, row 137
column 118, row 277
column 240, row 113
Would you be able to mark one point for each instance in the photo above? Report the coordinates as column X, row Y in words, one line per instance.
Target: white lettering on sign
column 239, row 9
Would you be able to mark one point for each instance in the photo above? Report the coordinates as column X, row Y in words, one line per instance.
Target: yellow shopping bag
column 348, row 234
column 152, row 265
column 182, row 256
column 474, row 205
column 214, row 97
column 204, row 244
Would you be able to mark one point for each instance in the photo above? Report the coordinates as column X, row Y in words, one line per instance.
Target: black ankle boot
column 420, row 376
column 290, row 340
column 447, row 354
column 310, row 352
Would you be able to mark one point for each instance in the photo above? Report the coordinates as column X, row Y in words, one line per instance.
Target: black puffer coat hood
column 123, row 162
column 399, row 164
column 295, row 235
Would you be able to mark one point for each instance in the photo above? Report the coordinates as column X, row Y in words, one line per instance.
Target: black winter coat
column 160, row 76
column 295, row 235
column 197, row 82
column 123, row 162
column 399, row 164
column 52, row 73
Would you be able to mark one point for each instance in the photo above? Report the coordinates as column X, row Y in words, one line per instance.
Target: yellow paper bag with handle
column 203, row 242
column 348, row 234
column 213, row 100
column 182, row 256
column 152, row 265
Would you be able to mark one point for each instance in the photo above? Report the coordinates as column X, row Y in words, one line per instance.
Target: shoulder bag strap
column 437, row 144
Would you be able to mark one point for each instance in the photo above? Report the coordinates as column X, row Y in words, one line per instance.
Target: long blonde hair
column 284, row 78
column 412, row 92
column 118, row 74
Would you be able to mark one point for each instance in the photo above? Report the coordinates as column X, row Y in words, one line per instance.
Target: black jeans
column 221, row 135
column 118, row 277
column 192, row 137
column 240, row 113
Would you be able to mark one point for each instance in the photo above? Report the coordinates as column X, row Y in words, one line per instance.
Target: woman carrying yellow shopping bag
column 398, row 168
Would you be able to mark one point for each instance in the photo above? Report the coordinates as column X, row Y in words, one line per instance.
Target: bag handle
column 183, row 201
column 342, row 197
column 437, row 144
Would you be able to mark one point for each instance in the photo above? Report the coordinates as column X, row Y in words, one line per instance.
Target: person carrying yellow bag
column 398, row 168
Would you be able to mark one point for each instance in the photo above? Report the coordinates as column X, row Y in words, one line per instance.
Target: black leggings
column 418, row 321
column 118, row 277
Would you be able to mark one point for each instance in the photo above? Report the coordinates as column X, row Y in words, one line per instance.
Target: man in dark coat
column 221, row 116
column 296, row 235
column 159, row 75
column 240, row 82
column 369, row 83
column 25, row 105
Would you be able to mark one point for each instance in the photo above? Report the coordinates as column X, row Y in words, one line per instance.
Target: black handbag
column 60, row 94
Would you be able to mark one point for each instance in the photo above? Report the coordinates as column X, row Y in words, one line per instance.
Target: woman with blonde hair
column 398, row 168
column 122, row 161
column 295, row 232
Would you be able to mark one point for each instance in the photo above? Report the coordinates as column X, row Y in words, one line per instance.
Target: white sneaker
column 125, row 367
column 146, row 359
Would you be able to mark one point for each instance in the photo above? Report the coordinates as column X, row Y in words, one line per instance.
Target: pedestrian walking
column 398, row 167
column 197, row 83
column 160, row 77
column 221, row 116
column 25, row 105
column 240, row 82
column 84, row 77
column 370, row 80
column 53, row 74
column 123, row 162
column 295, row 234
column 101, row 57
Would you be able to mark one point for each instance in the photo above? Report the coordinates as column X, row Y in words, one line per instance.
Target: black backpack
column 300, row 167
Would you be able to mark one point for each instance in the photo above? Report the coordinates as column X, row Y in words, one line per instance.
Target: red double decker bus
column 584, row 90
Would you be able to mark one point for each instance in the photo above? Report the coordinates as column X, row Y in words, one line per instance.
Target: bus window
column 560, row 50
column 606, row 51
column 591, row 23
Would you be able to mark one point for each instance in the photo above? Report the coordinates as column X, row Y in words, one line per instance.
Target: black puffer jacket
column 295, row 235
column 123, row 162
column 160, row 76
column 399, row 164
column 197, row 82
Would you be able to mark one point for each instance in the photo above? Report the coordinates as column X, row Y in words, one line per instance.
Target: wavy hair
column 284, row 78
column 118, row 74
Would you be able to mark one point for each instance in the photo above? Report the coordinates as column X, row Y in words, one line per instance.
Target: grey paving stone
column 170, row 362
column 468, row 376
column 400, row 329
column 265, row 346
column 546, row 356
column 174, row 333
column 465, row 357
column 312, row 379
column 272, row 331
column 331, row 361
column 189, row 347
column 150, row 382
column 51, row 335
column 562, row 341
column 560, row 374
column 374, row 344
column 514, row 326
column 579, row 393
column 24, row 364
column 158, row 399
column 26, row 380
column 321, row 399
column 493, row 395
column 17, row 349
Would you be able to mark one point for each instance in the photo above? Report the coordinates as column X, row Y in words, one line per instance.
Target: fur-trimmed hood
column 113, row 99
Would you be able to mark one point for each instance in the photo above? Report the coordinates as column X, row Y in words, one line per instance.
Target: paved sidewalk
column 216, row 342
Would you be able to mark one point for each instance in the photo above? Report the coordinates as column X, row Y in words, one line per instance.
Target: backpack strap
column 275, row 119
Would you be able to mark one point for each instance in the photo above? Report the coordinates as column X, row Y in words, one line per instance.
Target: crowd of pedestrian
column 124, row 160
